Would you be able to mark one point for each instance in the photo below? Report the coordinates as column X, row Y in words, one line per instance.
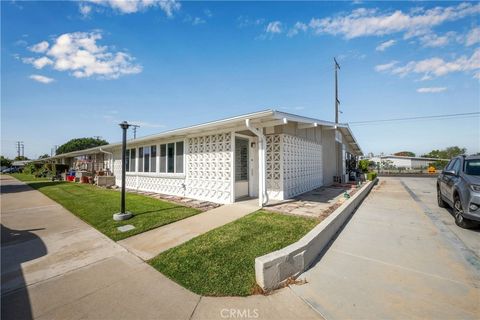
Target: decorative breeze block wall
column 209, row 167
column 302, row 165
column 274, row 167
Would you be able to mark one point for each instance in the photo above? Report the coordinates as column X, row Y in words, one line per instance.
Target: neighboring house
column 20, row 163
column 267, row 154
column 405, row 162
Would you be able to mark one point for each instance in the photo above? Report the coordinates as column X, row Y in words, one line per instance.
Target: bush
column 371, row 176
column 363, row 165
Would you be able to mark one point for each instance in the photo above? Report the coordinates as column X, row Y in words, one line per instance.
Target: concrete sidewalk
column 392, row 262
column 148, row 244
column 55, row 266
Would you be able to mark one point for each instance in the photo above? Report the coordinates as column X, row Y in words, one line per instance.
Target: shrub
column 363, row 165
column 371, row 176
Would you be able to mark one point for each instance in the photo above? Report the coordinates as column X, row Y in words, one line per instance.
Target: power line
column 443, row 116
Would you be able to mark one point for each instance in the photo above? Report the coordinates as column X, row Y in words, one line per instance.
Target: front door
column 241, row 167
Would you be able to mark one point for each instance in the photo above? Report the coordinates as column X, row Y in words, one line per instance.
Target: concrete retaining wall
column 273, row 269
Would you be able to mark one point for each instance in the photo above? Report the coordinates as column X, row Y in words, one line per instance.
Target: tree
column 405, row 154
column 43, row 156
column 20, row 158
column 5, row 162
column 447, row 153
column 80, row 144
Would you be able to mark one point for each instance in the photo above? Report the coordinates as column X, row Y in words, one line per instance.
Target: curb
column 274, row 269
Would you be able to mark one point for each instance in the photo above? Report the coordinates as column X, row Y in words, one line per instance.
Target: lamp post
column 123, row 215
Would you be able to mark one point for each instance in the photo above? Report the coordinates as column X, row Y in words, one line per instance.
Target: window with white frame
column 171, row 157
column 140, row 159
column 130, row 158
column 147, row 159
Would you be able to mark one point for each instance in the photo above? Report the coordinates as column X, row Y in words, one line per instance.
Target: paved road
column 399, row 257
column 55, row 266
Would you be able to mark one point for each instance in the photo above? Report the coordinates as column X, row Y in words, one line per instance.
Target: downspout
column 262, row 190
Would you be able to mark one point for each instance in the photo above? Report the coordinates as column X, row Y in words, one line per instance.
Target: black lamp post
column 123, row 215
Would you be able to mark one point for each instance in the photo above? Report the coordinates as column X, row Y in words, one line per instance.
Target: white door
column 241, row 167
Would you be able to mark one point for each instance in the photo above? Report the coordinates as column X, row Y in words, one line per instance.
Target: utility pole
column 135, row 126
column 19, row 146
column 23, row 150
column 337, row 101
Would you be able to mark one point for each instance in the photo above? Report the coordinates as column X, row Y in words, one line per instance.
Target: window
column 171, row 157
column 130, row 160
column 456, row 166
column 163, row 157
column 179, row 157
column 241, row 159
column 153, row 159
column 450, row 164
column 140, row 159
column 133, row 160
column 146, row 159
column 472, row 167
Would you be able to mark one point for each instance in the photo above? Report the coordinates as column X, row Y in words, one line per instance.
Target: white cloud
column 40, row 47
column 243, row 21
column 85, row 9
column 370, row 22
column 299, row 26
column 80, row 54
column 385, row 45
column 274, row 27
column 437, row 67
column 132, row 6
column 434, row 41
column 41, row 62
column 431, row 90
column 473, row 36
column 41, row 79
column 197, row 21
column 386, row 66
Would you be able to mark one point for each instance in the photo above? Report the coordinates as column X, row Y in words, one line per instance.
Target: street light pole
column 123, row 215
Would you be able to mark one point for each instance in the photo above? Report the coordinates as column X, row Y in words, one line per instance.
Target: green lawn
column 221, row 262
column 96, row 206
column 28, row 177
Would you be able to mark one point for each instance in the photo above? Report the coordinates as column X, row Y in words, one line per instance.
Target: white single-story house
column 267, row 154
column 405, row 162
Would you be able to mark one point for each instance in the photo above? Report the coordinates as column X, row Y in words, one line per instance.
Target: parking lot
column 399, row 257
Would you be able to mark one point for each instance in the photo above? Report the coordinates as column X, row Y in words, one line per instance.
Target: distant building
column 404, row 162
column 20, row 163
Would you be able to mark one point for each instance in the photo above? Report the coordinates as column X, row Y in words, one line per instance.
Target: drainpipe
column 262, row 190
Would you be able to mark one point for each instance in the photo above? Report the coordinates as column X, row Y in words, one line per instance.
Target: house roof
column 261, row 118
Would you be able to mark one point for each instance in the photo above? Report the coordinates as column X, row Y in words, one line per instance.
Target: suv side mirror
column 450, row 172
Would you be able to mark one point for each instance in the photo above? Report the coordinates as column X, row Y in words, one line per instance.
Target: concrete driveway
column 399, row 257
column 55, row 266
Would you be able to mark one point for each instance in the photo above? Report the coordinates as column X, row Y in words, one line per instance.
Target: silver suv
column 459, row 186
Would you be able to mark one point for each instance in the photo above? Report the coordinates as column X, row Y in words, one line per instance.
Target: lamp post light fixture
column 123, row 215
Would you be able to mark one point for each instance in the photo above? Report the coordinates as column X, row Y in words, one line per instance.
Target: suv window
column 472, row 167
column 456, row 166
column 450, row 164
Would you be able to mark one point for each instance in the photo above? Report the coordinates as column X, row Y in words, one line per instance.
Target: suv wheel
column 459, row 219
column 441, row 203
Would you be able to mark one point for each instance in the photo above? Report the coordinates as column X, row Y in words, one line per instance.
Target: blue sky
column 76, row 69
